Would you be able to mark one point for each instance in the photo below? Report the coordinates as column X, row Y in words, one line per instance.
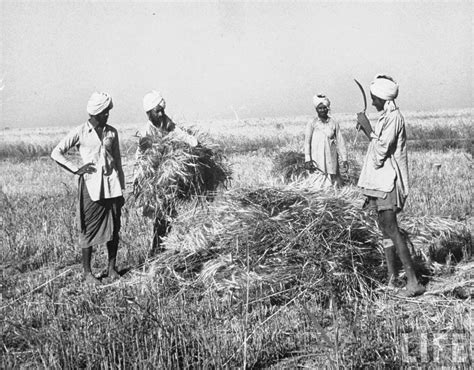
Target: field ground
column 154, row 319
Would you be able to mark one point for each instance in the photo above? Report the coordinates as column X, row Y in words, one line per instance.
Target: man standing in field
column 158, row 126
column 324, row 145
column 101, row 182
column 384, row 177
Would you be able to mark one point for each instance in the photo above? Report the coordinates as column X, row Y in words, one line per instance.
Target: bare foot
column 391, row 286
column 91, row 279
column 412, row 290
column 113, row 275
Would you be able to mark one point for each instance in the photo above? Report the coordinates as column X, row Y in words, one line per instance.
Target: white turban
column 98, row 102
column 321, row 99
column 384, row 87
column 152, row 99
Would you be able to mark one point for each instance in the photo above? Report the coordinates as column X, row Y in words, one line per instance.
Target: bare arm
column 307, row 141
column 118, row 161
column 58, row 153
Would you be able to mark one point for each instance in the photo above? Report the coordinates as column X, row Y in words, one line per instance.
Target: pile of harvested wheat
column 171, row 172
column 438, row 239
column 289, row 167
column 279, row 242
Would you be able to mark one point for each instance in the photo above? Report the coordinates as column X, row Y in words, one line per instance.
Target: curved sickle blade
column 363, row 94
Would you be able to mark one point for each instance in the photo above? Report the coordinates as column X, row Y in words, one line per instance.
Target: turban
column 98, row 102
column 321, row 99
column 384, row 87
column 152, row 99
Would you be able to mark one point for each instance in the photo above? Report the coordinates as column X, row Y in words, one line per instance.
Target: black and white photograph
column 232, row 184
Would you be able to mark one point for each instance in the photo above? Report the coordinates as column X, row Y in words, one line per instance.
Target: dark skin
column 323, row 111
column 98, row 122
column 158, row 118
column 388, row 224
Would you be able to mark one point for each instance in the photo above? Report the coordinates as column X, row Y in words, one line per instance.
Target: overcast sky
column 261, row 59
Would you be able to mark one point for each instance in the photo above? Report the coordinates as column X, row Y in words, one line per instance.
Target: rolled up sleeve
column 58, row 153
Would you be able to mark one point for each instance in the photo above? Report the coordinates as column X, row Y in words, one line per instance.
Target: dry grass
column 194, row 313
column 281, row 241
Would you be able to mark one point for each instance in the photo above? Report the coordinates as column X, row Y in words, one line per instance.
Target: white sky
column 264, row 59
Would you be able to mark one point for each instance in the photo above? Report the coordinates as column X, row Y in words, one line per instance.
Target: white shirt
column 386, row 160
column 108, row 181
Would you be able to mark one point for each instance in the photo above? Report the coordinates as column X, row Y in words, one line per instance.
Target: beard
column 158, row 121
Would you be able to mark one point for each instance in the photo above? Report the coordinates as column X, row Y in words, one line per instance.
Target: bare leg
column 112, row 247
column 86, row 263
column 337, row 180
column 389, row 226
column 160, row 228
column 390, row 257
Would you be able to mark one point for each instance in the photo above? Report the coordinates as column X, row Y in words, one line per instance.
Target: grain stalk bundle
column 294, row 240
column 289, row 167
column 438, row 239
column 282, row 241
column 171, row 172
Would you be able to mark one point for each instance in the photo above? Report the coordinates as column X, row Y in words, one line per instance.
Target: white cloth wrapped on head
column 98, row 102
column 321, row 99
column 152, row 99
column 384, row 87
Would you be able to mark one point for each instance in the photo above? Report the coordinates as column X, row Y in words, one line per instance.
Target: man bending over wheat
column 158, row 127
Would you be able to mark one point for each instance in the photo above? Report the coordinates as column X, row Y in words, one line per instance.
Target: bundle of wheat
column 275, row 241
column 171, row 172
column 289, row 166
column 438, row 239
column 278, row 242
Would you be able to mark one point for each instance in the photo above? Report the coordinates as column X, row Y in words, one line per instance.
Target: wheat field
column 155, row 317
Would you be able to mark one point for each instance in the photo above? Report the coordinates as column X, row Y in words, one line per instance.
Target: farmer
column 384, row 177
column 158, row 126
column 101, row 182
column 324, row 145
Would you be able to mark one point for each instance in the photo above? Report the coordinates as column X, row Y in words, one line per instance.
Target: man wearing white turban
column 158, row 126
column 101, row 182
column 98, row 102
column 324, row 146
column 384, row 87
column 384, row 178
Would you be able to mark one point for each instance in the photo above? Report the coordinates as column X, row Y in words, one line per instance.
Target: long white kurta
column 324, row 144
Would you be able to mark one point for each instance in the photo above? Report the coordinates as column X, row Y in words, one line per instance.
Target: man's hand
column 344, row 166
column 363, row 124
column 308, row 165
column 87, row 168
column 145, row 143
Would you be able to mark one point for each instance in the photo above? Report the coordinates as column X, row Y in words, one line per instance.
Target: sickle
column 363, row 94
